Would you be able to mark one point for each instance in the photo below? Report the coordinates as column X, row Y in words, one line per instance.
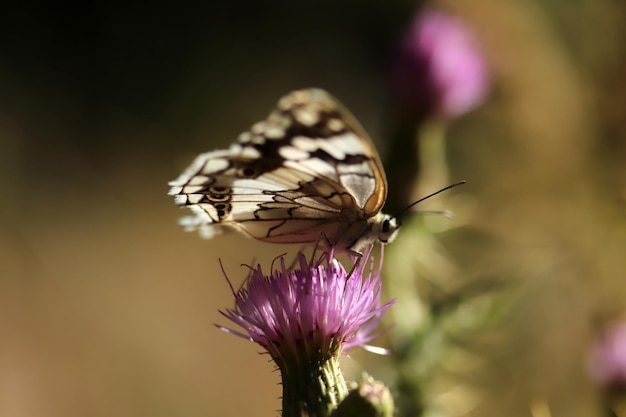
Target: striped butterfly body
column 308, row 171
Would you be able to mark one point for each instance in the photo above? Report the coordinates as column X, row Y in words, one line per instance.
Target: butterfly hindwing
column 309, row 168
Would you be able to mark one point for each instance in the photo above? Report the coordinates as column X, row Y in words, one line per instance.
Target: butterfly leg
column 355, row 257
column 328, row 250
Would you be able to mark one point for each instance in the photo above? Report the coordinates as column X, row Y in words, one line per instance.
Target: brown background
column 107, row 308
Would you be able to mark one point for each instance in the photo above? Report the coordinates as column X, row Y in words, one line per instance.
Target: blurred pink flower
column 439, row 69
column 607, row 363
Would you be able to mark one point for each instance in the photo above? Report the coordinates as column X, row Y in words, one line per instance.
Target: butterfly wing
column 309, row 168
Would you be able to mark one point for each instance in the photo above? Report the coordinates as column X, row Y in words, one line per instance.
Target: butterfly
column 307, row 171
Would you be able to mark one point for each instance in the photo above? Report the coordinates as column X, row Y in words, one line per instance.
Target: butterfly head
column 387, row 228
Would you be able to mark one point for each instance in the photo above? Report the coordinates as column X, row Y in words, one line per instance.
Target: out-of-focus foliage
column 106, row 307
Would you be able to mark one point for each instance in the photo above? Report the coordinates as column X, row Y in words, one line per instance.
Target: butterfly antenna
column 445, row 213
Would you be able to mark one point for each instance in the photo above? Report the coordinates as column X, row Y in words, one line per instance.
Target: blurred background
column 107, row 307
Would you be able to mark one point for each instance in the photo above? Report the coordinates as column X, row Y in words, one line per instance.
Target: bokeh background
column 107, row 307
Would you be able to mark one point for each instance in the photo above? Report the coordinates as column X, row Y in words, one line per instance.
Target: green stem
column 313, row 387
column 434, row 174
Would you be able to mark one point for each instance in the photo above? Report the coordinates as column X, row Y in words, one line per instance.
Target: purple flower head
column 439, row 69
column 607, row 362
column 312, row 311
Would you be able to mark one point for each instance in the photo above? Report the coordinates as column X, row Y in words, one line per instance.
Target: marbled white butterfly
column 308, row 171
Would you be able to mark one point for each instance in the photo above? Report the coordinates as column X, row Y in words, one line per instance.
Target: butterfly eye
column 385, row 227
column 388, row 229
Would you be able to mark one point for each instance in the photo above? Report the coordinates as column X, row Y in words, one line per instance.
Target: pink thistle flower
column 306, row 318
column 607, row 362
column 317, row 307
column 439, row 69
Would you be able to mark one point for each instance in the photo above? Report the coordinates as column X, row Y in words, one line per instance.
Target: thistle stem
column 433, row 164
column 313, row 387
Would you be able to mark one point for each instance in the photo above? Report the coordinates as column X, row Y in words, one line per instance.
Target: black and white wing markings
column 308, row 169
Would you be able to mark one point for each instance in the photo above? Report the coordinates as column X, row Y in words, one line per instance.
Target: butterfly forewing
column 308, row 169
